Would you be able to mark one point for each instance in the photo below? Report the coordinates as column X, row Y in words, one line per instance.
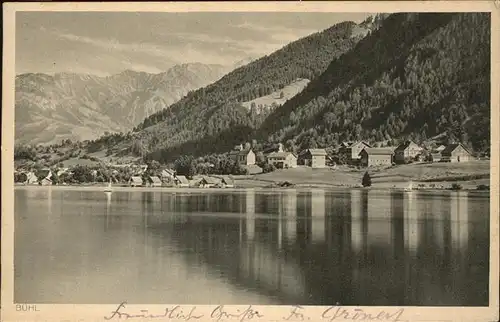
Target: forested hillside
column 418, row 76
column 214, row 110
column 413, row 76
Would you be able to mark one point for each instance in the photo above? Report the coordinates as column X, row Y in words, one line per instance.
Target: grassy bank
column 424, row 175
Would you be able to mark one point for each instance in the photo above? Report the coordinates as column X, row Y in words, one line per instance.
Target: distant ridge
column 80, row 107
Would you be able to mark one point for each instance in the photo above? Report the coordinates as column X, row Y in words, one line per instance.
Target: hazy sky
column 104, row 43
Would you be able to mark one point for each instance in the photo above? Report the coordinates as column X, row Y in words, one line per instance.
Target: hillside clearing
column 276, row 98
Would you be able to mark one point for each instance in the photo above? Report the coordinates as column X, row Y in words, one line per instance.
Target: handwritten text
column 174, row 313
column 341, row 313
column 220, row 314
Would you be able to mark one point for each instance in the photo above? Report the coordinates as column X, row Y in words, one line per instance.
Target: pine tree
column 367, row 180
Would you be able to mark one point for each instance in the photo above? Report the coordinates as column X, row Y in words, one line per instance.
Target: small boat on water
column 109, row 188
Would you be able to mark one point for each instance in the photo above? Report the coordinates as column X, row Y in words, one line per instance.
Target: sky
column 106, row 43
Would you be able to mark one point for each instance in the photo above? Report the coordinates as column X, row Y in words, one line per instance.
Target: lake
column 310, row 247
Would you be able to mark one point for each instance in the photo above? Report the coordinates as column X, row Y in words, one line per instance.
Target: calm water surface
column 251, row 247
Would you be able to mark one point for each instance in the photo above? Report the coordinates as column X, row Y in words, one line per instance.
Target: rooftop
column 211, row 180
column 136, row 179
column 351, row 144
column 238, row 152
column 279, row 154
column 155, row 179
column 378, row 151
column 183, row 179
column 451, row 147
column 404, row 145
column 228, row 179
column 317, row 151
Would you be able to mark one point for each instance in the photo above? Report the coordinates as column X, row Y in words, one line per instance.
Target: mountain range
column 50, row 108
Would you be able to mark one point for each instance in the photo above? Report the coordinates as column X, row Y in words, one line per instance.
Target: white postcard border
column 12, row 312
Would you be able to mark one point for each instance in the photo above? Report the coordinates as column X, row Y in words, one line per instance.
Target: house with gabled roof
column 314, row 158
column 407, row 151
column 243, row 156
column 208, row 182
column 282, row 159
column 456, row 152
column 135, row 181
column 351, row 150
column 45, row 177
column 167, row 174
column 227, row 182
column 154, row 181
column 181, row 181
column 376, row 157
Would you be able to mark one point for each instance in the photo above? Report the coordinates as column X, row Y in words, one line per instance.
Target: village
column 349, row 157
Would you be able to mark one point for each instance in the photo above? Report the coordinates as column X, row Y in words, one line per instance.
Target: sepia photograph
column 295, row 158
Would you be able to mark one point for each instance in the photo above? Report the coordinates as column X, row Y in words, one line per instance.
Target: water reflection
column 459, row 214
column 411, row 217
column 290, row 212
column 357, row 247
column 438, row 227
column 357, row 233
column 108, row 210
column 379, row 213
column 49, row 200
column 318, row 216
column 250, row 213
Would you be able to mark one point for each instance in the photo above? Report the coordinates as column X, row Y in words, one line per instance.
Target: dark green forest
column 418, row 76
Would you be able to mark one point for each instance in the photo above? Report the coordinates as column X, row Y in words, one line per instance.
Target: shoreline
column 235, row 189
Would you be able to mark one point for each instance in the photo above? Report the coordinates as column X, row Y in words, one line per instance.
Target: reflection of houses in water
column 267, row 270
column 256, row 266
column 157, row 201
column 180, row 205
column 49, row 200
column 250, row 214
column 108, row 209
column 411, row 220
column 290, row 215
column 379, row 208
column 438, row 228
column 318, row 216
column 357, row 219
column 280, row 222
column 459, row 217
